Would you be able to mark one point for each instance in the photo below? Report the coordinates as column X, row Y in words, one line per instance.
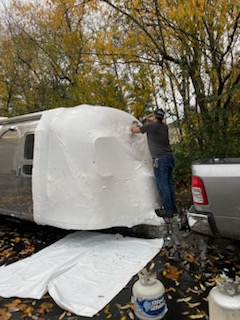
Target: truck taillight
column 198, row 191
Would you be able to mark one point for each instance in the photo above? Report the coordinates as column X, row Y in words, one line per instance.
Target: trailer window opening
column 27, row 169
column 29, row 145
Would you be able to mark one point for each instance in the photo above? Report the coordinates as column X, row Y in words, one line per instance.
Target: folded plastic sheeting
column 82, row 272
column 90, row 172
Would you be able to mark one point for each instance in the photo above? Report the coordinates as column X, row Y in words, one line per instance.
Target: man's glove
column 135, row 124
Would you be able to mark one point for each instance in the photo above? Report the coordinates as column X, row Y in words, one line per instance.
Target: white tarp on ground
column 90, row 172
column 82, row 272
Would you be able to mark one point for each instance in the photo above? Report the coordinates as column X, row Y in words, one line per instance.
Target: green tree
column 194, row 45
column 134, row 55
column 62, row 59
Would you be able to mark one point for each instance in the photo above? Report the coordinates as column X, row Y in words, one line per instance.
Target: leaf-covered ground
column 187, row 265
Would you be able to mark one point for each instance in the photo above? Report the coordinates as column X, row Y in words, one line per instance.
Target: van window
column 28, row 148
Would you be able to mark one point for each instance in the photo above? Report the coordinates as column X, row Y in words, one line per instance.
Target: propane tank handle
column 143, row 276
column 146, row 278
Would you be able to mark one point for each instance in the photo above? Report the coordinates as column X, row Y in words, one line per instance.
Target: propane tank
column 224, row 299
column 149, row 297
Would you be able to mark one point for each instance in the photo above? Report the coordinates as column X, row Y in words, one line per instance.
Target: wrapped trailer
column 76, row 168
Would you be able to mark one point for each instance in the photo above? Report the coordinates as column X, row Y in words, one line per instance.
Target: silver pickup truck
column 216, row 197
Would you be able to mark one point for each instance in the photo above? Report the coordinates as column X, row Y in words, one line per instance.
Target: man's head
column 159, row 114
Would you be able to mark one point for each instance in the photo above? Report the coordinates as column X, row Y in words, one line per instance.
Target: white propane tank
column 224, row 299
column 149, row 297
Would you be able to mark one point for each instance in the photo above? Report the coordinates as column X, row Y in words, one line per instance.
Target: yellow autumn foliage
column 131, row 54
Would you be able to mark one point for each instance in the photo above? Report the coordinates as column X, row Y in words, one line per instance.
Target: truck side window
column 28, row 153
column 28, row 148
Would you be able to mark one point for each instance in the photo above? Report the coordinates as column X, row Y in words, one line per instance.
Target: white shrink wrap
column 90, row 172
column 82, row 272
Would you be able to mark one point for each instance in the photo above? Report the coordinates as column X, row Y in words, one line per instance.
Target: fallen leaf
column 193, row 305
column 199, row 315
column 6, row 316
column 198, row 277
column 7, row 253
column 27, row 311
column 190, row 259
column 171, row 272
column 62, row 315
column 13, row 304
column 170, row 289
column 208, row 275
column 17, row 239
column 126, row 306
column 202, row 287
column 44, row 307
column 27, row 251
column 13, row 309
column 210, row 284
column 22, row 306
column 193, row 291
column 3, row 311
column 106, row 310
column 187, row 299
